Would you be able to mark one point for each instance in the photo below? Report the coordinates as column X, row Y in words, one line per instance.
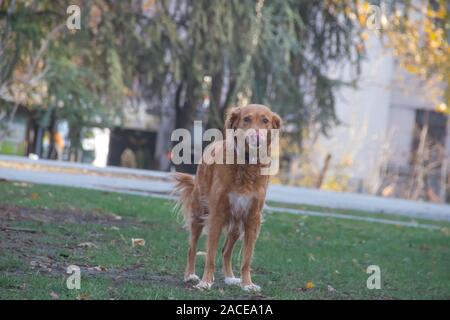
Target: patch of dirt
column 58, row 216
column 49, row 258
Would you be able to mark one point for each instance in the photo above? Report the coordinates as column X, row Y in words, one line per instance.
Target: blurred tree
column 57, row 73
column 209, row 55
column 418, row 33
column 23, row 42
column 184, row 58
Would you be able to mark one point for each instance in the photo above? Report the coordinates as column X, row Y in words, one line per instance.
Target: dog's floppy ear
column 232, row 118
column 276, row 121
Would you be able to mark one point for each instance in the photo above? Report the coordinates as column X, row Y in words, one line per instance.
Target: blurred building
column 392, row 141
column 133, row 143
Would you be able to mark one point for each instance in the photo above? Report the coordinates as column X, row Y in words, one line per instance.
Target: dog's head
column 255, row 122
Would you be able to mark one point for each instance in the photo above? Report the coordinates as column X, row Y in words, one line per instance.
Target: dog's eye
column 265, row 120
column 247, row 119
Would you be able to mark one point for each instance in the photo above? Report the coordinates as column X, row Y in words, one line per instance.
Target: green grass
column 291, row 251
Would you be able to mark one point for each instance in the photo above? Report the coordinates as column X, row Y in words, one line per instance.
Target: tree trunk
column 51, row 154
column 75, row 142
column 163, row 143
column 323, row 171
column 31, row 136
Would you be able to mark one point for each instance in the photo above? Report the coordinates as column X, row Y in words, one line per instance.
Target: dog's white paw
column 203, row 285
column 192, row 278
column 251, row 288
column 232, row 281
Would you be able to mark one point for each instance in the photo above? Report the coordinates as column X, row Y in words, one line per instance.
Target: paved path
column 155, row 183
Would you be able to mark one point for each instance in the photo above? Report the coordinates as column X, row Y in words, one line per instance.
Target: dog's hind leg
column 227, row 252
column 195, row 232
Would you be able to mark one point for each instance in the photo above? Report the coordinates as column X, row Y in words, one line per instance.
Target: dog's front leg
column 227, row 252
column 251, row 234
column 215, row 228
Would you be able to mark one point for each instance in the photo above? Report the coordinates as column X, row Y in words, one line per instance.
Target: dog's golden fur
column 227, row 197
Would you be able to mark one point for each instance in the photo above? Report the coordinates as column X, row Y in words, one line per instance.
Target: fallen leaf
column 83, row 296
column 100, row 268
column 331, row 289
column 87, row 245
column 137, row 242
column 98, row 211
column 309, row 285
column 446, row 231
column 311, row 257
column 54, row 295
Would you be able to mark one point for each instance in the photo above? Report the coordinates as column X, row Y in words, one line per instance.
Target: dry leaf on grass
column 99, row 268
column 331, row 289
column 83, row 296
column 87, row 245
column 54, row 295
column 137, row 242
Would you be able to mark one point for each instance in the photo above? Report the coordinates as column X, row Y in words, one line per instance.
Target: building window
column 428, row 155
column 429, row 135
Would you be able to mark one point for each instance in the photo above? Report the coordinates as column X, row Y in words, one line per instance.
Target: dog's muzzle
column 256, row 139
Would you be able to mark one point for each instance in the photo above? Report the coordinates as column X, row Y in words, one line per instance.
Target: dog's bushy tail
column 184, row 188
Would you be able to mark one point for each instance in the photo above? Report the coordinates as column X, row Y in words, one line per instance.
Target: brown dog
column 227, row 197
